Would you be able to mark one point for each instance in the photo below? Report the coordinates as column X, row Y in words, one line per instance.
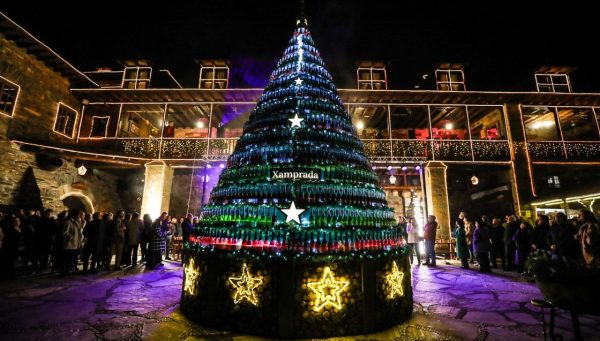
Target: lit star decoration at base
column 328, row 291
column 292, row 213
column 296, row 121
column 245, row 286
column 191, row 277
column 394, row 280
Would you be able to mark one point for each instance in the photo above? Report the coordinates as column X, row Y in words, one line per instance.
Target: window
column 214, row 77
column 553, row 182
column 552, row 82
column 372, row 78
column 540, row 124
column 65, row 120
column 409, row 122
column 449, row 123
column 371, row 122
column 99, row 126
column 578, row 124
column 9, row 93
column 450, row 80
column 487, row 123
column 137, row 77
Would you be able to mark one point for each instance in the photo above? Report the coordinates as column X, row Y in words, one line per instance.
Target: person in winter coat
column 522, row 239
column 462, row 248
column 93, row 243
column 430, row 230
column 135, row 226
column 412, row 231
column 481, row 246
column 589, row 239
column 512, row 226
column 146, row 236
column 118, row 238
column 497, row 244
column 539, row 233
column 469, row 229
column 71, row 237
column 157, row 242
column 561, row 239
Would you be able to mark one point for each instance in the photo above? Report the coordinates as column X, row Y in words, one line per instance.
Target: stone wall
column 24, row 185
column 41, row 91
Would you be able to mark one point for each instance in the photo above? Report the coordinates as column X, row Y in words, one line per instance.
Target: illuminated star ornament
column 292, row 213
column 191, row 276
column 394, row 280
column 298, row 81
column 328, row 291
column 245, row 286
column 296, row 121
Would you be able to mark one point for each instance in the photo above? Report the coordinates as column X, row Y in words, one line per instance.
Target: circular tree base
column 297, row 296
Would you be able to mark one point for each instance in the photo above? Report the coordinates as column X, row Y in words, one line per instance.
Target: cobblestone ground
column 450, row 304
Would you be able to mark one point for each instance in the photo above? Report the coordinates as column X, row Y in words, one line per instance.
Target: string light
column 394, row 280
column 246, row 286
column 328, row 291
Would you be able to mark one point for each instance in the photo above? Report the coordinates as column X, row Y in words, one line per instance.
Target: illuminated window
column 65, row 120
column 136, row 77
column 450, row 79
column 540, row 123
column 553, row 182
column 9, row 92
column 99, row 126
column 372, row 78
column 214, row 77
column 552, row 82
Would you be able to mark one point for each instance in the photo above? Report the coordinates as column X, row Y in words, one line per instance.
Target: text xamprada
column 294, row 175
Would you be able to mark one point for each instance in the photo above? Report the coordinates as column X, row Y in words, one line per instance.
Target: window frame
column 137, row 80
column 370, row 81
column 450, row 83
column 213, row 80
column 16, row 98
column 105, row 128
column 552, row 85
column 60, row 105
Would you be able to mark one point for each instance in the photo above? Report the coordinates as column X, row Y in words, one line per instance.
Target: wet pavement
column 450, row 304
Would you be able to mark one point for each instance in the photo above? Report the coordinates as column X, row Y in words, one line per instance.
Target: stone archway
column 77, row 200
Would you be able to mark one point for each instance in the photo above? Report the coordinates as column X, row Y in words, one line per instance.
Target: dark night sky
column 500, row 44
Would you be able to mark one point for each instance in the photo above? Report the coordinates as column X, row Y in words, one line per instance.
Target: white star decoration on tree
column 292, row 213
column 296, row 121
column 298, row 81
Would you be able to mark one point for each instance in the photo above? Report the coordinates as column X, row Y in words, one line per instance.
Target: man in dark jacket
column 512, row 227
column 497, row 241
column 561, row 238
column 44, row 234
column 481, row 246
column 187, row 227
column 93, row 244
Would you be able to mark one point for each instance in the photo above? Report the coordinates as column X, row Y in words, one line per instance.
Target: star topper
column 296, row 121
column 328, row 291
column 245, row 286
column 191, row 277
column 292, row 213
column 394, row 280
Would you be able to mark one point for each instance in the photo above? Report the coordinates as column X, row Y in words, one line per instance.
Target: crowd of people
column 38, row 242
column 511, row 241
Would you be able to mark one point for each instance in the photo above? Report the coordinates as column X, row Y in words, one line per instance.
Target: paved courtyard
column 450, row 304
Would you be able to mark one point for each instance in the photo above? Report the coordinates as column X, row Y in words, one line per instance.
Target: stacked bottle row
column 290, row 79
column 342, row 193
column 262, row 172
column 323, row 216
column 269, row 136
column 294, row 69
column 307, row 193
column 299, row 154
column 313, row 118
column 307, row 90
column 307, row 241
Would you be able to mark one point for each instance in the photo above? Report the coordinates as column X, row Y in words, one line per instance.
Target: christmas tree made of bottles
column 298, row 198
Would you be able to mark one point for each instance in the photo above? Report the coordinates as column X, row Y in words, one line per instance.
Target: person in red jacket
column 430, row 230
